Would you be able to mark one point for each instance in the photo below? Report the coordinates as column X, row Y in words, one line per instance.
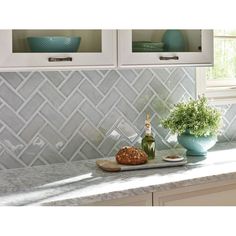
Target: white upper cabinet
column 101, row 48
column 97, row 49
column 151, row 48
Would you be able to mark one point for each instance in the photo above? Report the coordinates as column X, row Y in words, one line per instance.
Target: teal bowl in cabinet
column 54, row 44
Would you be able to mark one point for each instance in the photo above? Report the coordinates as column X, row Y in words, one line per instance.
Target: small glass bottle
column 148, row 141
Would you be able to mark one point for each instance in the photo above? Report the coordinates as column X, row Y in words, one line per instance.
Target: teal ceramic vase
column 196, row 146
column 174, row 41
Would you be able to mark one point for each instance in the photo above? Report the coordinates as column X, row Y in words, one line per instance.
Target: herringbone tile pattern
column 56, row 117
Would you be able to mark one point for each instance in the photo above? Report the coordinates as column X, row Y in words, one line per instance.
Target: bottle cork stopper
column 148, row 121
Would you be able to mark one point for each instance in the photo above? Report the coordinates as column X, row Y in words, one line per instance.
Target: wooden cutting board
column 111, row 165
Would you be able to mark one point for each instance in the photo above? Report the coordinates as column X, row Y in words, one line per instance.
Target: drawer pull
column 169, row 58
column 55, row 59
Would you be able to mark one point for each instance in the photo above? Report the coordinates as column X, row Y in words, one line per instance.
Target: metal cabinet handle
column 55, row 59
column 169, row 58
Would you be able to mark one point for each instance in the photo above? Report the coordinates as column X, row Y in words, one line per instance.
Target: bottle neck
column 148, row 130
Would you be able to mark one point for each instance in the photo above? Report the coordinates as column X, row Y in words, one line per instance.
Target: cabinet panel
column 196, row 48
column 224, row 195
column 97, row 49
column 140, row 200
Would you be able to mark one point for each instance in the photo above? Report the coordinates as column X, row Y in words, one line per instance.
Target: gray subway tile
column 109, row 143
column 54, row 76
column 10, row 97
column 230, row 112
column 90, row 152
column 52, row 94
column 32, row 128
column 38, row 162
column 12, row 78
column 11, row 141
column 32, row 150
column 161, row 73
column 90, row 92
column 51, row 156
column 71, row 83
column 91, row 133
column 176, row 95
column 104, row 71
column 128, row 74
column 72, row 146
column 52, row 137
column 91, row 113
column 110, row 120
column 1, row 148
column 72, row 103
column 31, row 84
column 127, row 110
column 11, row 119
column 159, row 88
column 159, row 107
column 175, row 77
column 93, row 76
column 109, row 101
column 9, row 162
column 25, row 73
column 128, row 130
column 107, row 146
column 143, row 80
column 126, row 90
column 72, row 124
column 143, row 99
column 110, row 79
column 29, row 109
column 65, row 72
column 51, row 115
column 191, row 71
column 189, row 85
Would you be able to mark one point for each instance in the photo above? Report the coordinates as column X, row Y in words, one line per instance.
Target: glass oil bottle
column 148, row 141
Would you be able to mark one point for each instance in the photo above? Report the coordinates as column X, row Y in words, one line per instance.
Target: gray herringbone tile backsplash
column 60, row 116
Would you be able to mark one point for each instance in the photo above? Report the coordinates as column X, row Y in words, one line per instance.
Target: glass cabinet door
column 165, row 47
column 57, row 48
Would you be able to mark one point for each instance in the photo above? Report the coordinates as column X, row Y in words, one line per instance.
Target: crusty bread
column 131, row 156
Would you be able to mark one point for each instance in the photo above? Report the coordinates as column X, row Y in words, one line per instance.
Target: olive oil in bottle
column 148, row 141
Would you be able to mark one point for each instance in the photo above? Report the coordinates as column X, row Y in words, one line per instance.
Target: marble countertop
column 82, row 182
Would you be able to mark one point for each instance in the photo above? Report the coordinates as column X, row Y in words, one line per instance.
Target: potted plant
column 196, row 123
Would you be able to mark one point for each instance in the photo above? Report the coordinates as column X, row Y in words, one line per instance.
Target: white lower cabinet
column 140, row 200
column 217, row 194
column 212, row 194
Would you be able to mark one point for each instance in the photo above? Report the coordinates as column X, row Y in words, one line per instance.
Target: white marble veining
column 83, row 182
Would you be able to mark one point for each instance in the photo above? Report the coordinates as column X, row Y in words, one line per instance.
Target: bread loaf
column 131, row 156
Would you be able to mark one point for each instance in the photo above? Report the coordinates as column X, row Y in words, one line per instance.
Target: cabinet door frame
column 31, row 61
column 126, row 58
